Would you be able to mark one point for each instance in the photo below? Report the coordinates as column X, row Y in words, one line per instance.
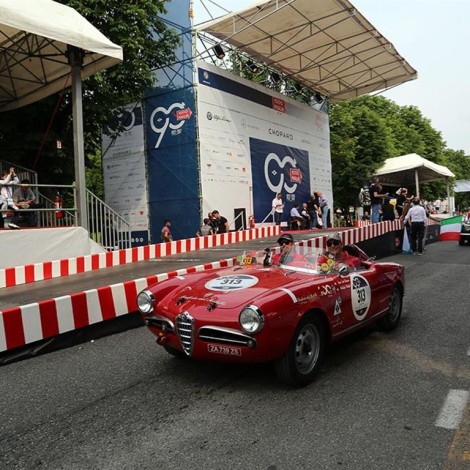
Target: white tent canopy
column 325, row 45
column 44, row 47
column 411, row 169
column 34, row 38
column 462, row 186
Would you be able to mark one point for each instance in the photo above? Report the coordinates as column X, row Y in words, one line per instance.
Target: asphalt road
column 121, row 402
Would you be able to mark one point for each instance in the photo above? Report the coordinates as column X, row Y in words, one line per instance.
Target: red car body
column 296, row 311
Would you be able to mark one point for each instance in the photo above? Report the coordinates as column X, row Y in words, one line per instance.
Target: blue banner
column 172, row 165
column 278, row 169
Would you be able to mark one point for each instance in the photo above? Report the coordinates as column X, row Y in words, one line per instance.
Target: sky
column 433, row 36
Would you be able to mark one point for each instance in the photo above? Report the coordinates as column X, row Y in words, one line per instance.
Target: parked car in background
column 465, row 231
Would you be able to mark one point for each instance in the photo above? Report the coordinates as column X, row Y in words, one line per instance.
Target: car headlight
column 145, row 302
column 251, row 319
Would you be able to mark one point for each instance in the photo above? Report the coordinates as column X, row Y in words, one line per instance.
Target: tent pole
column 417, row 183
column 451, row 202
column 75, row 57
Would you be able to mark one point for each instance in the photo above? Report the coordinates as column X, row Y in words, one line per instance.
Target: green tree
column 360, row 143
column 147, row 45
column 459, row 164
column 367, row 130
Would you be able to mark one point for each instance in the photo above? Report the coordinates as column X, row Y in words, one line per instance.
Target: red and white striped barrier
column 26, row 324
column 15, row 276
column 357, row 234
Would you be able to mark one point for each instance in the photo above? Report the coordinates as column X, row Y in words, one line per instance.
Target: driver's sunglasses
column 332, row 242
column 284, row 242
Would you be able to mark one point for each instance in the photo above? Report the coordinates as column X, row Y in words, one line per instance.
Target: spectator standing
column 165, row 234
column 323, row 204
column 312, row 209
column 8, row 179
column 376, row 197
column 402, row 196
column 305, row 216
column 222, row 222
column 416, row 217
column 278, row 208
column 212, row 222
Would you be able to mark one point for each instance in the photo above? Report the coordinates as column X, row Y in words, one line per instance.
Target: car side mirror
column 343, row 271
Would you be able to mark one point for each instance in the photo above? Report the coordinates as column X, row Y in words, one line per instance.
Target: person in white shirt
column 278, row 208
column 8, row 179
column 417, row 217
column 295, row 218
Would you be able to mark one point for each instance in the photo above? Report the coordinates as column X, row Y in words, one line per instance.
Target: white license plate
column 228, row 350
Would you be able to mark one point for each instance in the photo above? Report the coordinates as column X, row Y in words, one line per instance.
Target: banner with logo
column 254, row 143
column 173, row 173
column 124, row 172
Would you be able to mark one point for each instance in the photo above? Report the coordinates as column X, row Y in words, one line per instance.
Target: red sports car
column 284, row 313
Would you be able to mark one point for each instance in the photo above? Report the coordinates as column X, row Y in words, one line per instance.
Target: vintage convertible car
column 287, row 313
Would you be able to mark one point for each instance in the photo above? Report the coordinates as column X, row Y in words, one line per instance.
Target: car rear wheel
column 461, row 242
column 390, row 321
column 301, row 362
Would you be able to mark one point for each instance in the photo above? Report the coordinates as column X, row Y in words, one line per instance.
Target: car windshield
column 300, row 259
column 304, row 259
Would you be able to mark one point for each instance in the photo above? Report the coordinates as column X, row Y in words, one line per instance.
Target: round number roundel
column 236, row 282
column 360, row 296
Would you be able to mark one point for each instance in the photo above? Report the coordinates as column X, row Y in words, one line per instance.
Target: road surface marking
column 452, row 409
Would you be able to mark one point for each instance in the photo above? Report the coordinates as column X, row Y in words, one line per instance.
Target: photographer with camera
column 8, row 179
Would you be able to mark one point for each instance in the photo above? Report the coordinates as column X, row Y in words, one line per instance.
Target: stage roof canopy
column 34, row 37
column 327, row 46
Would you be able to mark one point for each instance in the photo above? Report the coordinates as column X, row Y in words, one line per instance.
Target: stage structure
column 213, row 140
column 255, row 143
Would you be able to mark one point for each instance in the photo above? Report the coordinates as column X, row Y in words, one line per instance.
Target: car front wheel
column 301, row 362
column 391, row 319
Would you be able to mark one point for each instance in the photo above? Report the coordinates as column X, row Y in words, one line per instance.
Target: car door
column 361, row 296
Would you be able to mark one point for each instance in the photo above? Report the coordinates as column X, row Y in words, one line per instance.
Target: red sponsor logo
column 183, row 114
column 295, row 175
column 279, row 105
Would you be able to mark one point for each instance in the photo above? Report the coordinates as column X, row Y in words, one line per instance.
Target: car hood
column 231, row 288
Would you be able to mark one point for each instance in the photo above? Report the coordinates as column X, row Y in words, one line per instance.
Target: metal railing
column 106, row 227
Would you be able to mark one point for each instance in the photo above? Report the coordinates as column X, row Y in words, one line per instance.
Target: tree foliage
column 147, row 44
column 367, row 130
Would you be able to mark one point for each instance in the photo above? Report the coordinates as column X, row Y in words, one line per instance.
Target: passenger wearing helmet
column 287, row 254
column 335, row 256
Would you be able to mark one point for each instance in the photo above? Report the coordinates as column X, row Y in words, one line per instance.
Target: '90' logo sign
column 173, row 117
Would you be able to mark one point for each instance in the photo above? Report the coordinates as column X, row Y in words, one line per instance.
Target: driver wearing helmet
column 288, row 252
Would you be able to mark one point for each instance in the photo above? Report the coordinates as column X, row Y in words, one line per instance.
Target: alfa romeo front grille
column 215, row 334
column 185, row 330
